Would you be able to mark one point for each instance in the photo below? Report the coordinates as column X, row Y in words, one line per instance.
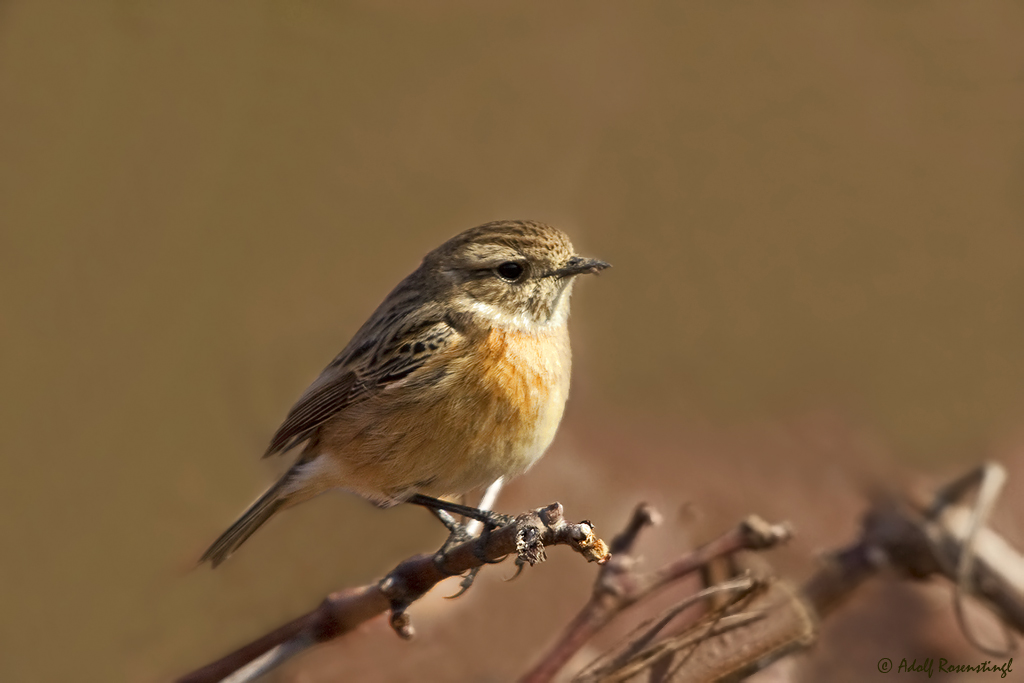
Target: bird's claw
column 459, row 535
column 519, row 570
column 466, row 582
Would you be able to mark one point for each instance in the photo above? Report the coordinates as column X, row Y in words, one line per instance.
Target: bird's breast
column 492, row 412
column 525, row 378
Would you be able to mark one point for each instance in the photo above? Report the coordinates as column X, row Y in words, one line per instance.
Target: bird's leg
column 487, row 502
column 457, row 532
column 442, row 509
column 478, row 551
column 494, row 520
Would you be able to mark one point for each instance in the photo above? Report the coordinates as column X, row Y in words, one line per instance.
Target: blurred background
column 815, row 215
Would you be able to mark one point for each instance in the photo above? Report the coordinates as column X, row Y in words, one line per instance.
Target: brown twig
column 938, row 537
column 618, row 586
column 918, row 540
column 924, row 539
column 343, row 611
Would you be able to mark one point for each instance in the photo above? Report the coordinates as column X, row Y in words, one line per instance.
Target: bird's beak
column 578, row 265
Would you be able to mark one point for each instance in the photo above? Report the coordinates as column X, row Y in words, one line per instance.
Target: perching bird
column 458, row 378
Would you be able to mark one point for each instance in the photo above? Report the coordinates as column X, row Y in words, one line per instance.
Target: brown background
column 815, row 213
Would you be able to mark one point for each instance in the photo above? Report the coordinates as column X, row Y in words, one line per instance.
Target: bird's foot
column 480, row 552
column 487, row 517
column 458, row 534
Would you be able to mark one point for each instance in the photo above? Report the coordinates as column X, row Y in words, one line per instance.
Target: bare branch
column 618, row 586
column 744, row 624
column 942, row 537
column 917, row 540
column 921, row 540
column 341, row 612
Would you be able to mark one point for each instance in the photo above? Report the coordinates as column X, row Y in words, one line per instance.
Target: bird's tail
column 252, row 519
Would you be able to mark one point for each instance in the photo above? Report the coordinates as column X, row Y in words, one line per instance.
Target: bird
column 457, row 379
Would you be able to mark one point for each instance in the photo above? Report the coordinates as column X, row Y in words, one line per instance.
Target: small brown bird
column 458, row 378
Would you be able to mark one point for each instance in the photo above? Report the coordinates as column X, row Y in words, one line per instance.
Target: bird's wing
column 363, row 370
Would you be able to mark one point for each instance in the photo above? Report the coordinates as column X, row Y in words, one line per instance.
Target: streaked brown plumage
column 459, row 377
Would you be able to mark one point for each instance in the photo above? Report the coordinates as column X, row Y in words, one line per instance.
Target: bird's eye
column 510, row 270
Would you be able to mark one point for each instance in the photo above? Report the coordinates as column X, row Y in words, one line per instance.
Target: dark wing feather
column 325, row 398
column 363, row 372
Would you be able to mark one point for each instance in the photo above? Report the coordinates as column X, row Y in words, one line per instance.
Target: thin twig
column 917, row 539
column 637, row 647
column 618, row 586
